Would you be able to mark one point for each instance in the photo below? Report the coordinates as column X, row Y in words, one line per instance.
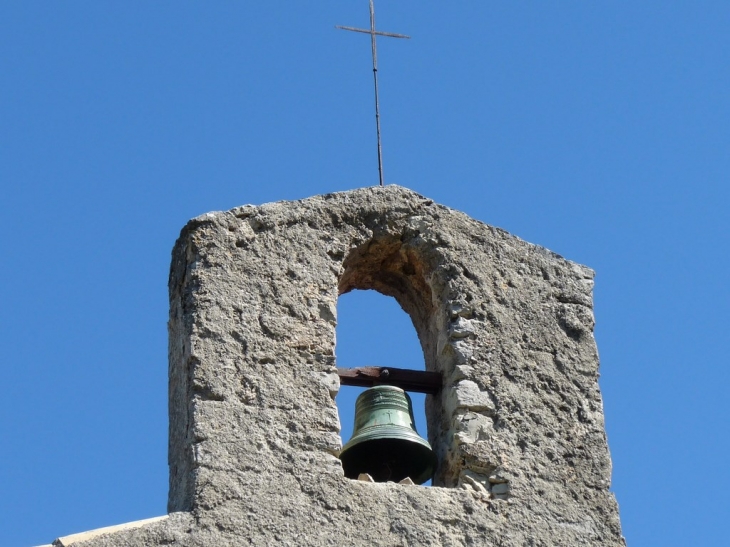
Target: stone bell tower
column 517, row 426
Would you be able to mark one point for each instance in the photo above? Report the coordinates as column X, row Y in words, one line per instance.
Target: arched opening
column 373, row 330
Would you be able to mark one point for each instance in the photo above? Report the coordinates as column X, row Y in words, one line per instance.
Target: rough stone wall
column 254, row 430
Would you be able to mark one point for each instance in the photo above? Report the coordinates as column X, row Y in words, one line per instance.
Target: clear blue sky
column 600, row 130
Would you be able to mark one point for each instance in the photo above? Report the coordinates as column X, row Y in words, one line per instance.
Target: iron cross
column 373, row 33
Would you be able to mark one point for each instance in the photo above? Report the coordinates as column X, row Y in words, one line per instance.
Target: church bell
column 385, row 444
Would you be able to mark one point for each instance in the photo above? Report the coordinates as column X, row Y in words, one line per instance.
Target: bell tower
column 516, row 426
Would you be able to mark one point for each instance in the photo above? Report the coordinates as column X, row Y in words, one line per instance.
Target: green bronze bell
column 385, row 444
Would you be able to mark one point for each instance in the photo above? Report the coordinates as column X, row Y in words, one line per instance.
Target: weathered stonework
column 254, row 431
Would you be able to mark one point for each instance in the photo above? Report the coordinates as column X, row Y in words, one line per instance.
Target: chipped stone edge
column 66, row 541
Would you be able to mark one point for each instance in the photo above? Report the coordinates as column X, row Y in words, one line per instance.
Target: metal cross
column 373, row 33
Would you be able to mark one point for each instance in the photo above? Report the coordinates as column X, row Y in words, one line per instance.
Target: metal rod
column 375, row 78
column 377, row 32
column 373, row 33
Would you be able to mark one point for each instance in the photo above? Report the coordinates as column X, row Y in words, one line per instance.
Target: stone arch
column 391, row 264
column 392, row 268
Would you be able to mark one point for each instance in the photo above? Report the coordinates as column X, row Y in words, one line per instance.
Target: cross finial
column 373, row 33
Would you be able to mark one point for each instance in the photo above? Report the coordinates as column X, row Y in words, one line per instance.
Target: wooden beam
column 409, row 380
